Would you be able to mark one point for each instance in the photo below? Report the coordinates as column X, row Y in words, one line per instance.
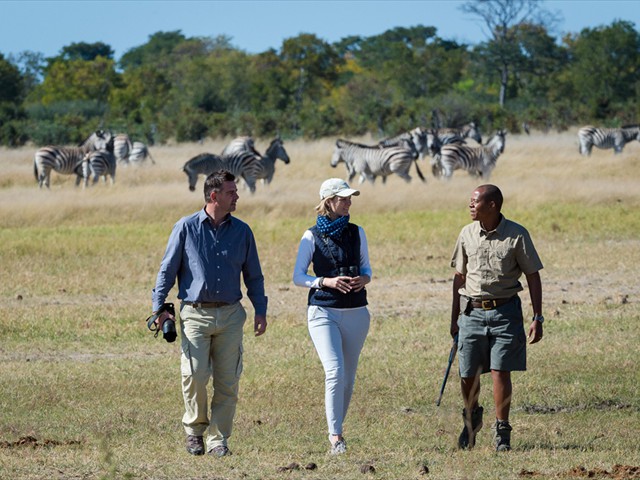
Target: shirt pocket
column 502, row 258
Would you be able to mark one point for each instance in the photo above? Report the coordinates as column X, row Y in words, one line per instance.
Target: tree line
column 190, row 88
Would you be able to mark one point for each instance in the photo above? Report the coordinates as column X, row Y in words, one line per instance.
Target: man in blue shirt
column 207, row 252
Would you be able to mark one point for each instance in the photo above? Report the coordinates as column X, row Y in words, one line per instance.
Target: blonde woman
column 337, row 314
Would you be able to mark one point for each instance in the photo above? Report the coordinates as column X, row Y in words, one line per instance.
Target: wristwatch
column 539, row 318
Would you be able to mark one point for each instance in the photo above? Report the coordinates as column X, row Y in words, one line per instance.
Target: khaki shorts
column 492, row 340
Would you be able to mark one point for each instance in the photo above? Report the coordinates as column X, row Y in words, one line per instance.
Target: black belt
column 489, row 304
column 207, row 304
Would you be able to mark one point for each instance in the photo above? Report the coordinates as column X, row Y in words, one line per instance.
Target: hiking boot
column 195, row 445
column 472, row 425
column 502, row 435
column 219, row 451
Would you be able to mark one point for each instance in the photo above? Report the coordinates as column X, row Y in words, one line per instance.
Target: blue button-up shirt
column 208, row 261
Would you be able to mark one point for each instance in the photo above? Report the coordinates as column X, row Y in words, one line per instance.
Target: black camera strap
column 151, row 319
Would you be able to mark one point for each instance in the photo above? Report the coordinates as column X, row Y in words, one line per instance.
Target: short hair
column 214, row 182
column 491, row 193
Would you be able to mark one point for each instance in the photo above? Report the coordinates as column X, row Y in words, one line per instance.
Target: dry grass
column 100, row 397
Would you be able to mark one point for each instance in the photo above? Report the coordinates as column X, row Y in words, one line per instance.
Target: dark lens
column 169, row 330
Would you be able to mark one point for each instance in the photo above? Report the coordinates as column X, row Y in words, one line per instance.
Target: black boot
column 502, row 435
column 472, row 425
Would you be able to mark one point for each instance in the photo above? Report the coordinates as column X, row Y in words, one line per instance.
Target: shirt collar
column 203, row 216
column 499, row 228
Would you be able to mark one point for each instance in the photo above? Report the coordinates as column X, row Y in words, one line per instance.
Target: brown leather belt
column 207, row 304
column 489, row 304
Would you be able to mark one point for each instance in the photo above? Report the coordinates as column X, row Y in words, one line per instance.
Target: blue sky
column 255, row 26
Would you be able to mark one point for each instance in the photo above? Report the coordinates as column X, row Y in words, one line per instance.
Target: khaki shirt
column 492, row 262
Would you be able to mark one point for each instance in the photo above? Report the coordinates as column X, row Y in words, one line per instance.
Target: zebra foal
column 373, row 161
column 67, row 160
column 604, row 138
column 99, row 163
column 477, row 161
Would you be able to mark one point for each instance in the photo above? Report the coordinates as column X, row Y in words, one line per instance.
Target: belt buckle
column 488, row 304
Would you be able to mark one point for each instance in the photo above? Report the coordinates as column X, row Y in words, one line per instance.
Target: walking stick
column 452, row 355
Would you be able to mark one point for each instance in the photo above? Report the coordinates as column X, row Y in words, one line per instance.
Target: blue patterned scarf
column 332, row 228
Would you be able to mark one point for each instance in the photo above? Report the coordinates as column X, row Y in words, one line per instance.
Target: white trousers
column 338, row 335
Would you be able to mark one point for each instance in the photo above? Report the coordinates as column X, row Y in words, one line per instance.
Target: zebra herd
column 242, row 159
column 96, row 157
column 446, row 146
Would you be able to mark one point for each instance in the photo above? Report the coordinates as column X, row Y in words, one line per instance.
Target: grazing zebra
column 457, row 135
column 373, row 161
column 478, row 161
column 67, row 160
column 203, row 164
column 268, row 160
column 122, row 147
column 99, row 163
column 603, row 138
column 139, row 153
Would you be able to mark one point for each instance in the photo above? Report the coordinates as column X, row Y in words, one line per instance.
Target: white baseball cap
column 336, row 186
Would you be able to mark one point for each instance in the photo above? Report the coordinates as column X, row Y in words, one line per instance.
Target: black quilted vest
column 328, row 257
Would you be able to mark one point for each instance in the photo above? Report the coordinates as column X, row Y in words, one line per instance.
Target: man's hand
column 535, row 332
column 162, row 318
column 259, row 325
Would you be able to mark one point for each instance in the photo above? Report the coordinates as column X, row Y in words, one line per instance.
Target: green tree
column 156, row 51
column 604, row 71
column 85, row 51
column 504, row 19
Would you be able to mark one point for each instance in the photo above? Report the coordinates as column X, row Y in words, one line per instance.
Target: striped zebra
column 239, row 144
column 139, row 153
column 268, row 160
column 373, row 161
column 447, row 136
column 417, row 136
column 203, row 164
column 99, row 163
column 603, row 138
column 122, row 147
column 67, row 160
column 478, row 161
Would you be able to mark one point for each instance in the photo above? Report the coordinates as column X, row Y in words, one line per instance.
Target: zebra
column 203, row 164
column 239, row 144
column 122, row 147
column 423, row 140
column 603, row 138
column 268, row 160
column 67, row 160
column 373, row 161
column 245, row 164
column 139, row 153
column 99, row 163
column 457, row 135
column 478, row 161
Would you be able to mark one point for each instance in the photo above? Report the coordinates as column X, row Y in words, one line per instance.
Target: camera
column 168, row 326
column 350, row 271
column 169, row 330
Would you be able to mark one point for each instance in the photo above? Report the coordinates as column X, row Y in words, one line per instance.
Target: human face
column 225, row 200
column 479, row 208
column 339, row 206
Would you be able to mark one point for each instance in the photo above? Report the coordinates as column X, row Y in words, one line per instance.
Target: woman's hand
column 346, row 284
column 342, row 283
